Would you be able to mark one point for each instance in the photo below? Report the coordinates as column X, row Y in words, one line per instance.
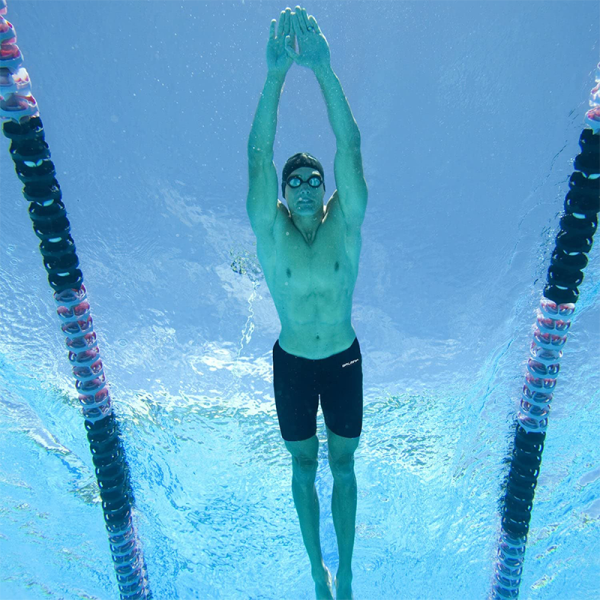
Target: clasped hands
column 313, row 47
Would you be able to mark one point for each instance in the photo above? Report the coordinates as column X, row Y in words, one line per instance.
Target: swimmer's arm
column 261, row 203
column 314, row 54
column 262, row 194
column 264, row 126
column 348, row 168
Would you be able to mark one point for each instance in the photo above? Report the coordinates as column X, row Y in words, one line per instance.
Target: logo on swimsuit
column 350, row 363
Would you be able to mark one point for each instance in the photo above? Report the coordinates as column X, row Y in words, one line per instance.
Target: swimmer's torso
column 312, row 285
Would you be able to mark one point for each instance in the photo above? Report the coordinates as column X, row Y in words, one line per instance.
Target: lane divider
column 565, row 274
column 31, row 156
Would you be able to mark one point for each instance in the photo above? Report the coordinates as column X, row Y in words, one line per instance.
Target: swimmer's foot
column 343, row 586
column 323, row 587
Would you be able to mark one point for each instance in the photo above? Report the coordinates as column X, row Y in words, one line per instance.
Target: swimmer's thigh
column 342, row 397
column 296, row 399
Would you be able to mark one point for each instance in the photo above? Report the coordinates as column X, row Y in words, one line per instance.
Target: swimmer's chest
column 329, row 265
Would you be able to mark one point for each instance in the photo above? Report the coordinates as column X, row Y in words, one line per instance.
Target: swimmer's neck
column 308, row 225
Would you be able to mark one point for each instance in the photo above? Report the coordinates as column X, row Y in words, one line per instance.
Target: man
column 309, row 254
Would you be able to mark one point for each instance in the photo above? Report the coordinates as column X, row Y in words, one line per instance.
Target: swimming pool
column 468, row 142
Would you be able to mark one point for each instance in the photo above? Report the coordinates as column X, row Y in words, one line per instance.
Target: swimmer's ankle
column 320, row 572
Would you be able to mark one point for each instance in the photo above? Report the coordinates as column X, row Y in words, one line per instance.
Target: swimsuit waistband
column 337, row 354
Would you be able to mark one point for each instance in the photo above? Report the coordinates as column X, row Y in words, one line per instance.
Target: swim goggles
column 295, row 181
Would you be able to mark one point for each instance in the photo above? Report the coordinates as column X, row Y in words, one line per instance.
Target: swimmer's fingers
column 303, row 24
column 285, row 27
column 295, row 26
column 289, row 25
column 302, row 19
column 313, row 23
column 290, row 47
column 281, row 24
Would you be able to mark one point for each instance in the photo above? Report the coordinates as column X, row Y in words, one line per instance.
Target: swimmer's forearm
column 342, row 121
column 264, row 126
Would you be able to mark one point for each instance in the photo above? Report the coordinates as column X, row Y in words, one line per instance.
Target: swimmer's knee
column 304, row 470
column 341, row 456
column 304, row 450
column 342, row 468
column 304, row 459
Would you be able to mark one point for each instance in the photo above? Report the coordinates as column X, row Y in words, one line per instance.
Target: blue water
column 470, row 115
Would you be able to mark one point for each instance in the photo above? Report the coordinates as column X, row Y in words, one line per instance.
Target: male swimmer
column 309, row 253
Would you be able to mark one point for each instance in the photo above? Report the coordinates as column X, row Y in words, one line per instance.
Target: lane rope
column 31, row 156
column 557, row 306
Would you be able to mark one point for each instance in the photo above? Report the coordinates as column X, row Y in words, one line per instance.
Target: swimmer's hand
column 278, row 59
column 314, row 49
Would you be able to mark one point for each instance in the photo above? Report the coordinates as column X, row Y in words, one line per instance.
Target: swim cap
column 302, row 159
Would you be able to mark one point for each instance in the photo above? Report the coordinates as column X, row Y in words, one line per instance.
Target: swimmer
column 309, row 252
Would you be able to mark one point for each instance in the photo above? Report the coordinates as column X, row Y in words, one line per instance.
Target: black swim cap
column 302, row 159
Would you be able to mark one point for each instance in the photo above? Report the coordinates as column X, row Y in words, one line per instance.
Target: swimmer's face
column 304, row 191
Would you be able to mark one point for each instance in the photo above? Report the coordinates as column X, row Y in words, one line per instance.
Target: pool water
column 470, row 115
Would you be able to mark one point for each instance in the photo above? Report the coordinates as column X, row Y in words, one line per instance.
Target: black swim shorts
column 298, row 382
